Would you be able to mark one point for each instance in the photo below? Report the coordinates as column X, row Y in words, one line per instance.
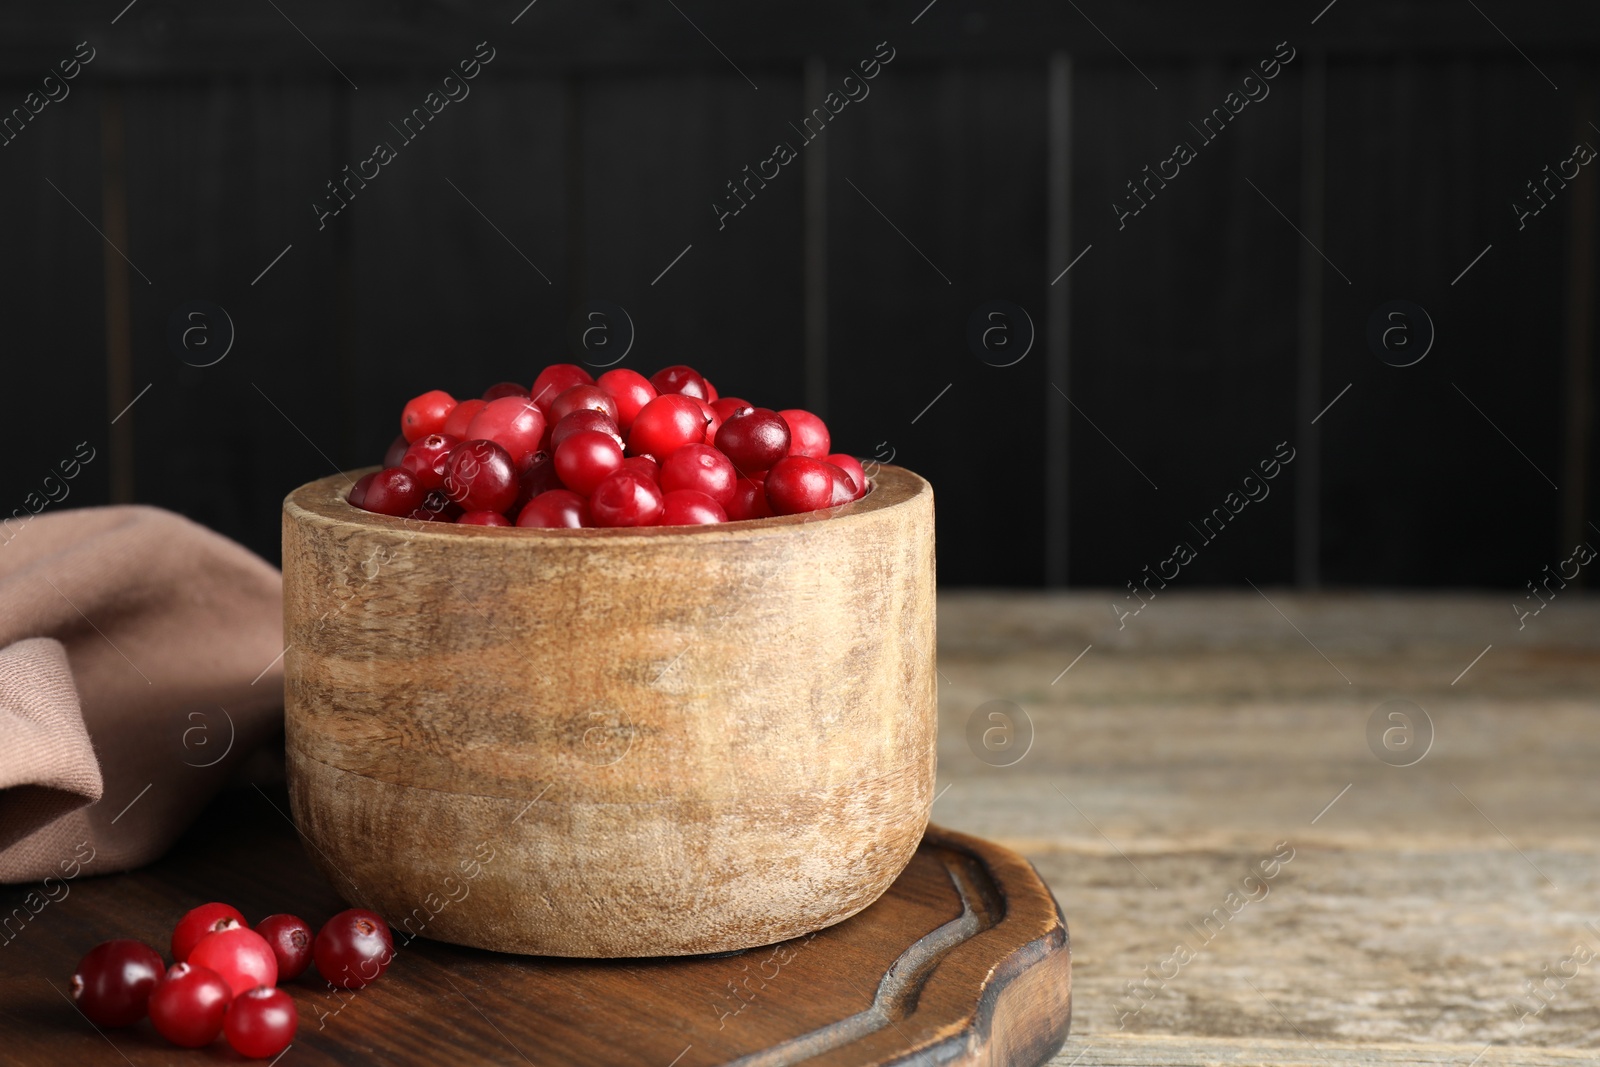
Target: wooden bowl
column 606, row 743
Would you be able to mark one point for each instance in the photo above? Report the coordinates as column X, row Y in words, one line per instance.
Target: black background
column 985, row 159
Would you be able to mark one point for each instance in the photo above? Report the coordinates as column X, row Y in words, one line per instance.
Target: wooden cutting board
column 965, row 960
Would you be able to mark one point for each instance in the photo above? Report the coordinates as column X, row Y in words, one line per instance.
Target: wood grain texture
column 1184, row 747
column 673, row 740
column 963, row 961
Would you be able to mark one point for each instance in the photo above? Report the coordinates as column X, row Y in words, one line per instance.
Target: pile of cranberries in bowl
column 620, row 450
column 224, row 976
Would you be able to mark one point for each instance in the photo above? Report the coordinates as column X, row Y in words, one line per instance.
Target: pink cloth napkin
column 140, row 662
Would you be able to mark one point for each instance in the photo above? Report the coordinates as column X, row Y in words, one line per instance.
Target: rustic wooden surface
column 964, row 961
column 1183, row 747
column 675, row 740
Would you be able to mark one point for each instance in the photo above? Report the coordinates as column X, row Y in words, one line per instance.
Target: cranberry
column 198, row 922
column 240, row 955
column 666, row 424
column 425, row 458
column 844, row 490
column 482, row 518
column 456, row 425
column 353, row 948
column 852, row 467
column 631, row 390
column 680, row 379
column 808, row 435
column 537, row 475
column 688, row 507
column 729, row 406
column 357, row 497
column 755, row 440
column 425, row 414
column 436, row 507
column 557, row 379
column 556, row 509
column 393, row 491
column 480, row 476
column 583, row 398
column 701, row 468
column 711, row 392
column 749, row 501
column 290, row 938
column 799, row 483
column 514, row 423
column 584, row 419
column 396, row 452
column 586, row 457
column 188, row 1005
column 626, row 498
column 502, row 389
column 261, row 1023
column 113, row 982
column 712, row 419
column 645, row 465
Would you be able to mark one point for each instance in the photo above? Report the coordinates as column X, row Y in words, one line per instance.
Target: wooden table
column 1208, row 741
column 1182, row 748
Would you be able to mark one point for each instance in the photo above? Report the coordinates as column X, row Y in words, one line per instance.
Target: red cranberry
column 482, row 518
column 645, row 465
column 666, row 424
column 844, row 490
column 626, row 498
column 514, row 423
column 755, row 440
column 583, row 398
column 749, row 501
column 240, row 955
column 537, row 474
column 353, row 948
column 113, row 982
column 480, row 476
column 396, row 452
column 290, row 939
column 503, row 389
column 584, row 419
column 852, row 467
column 688, row 507
column 261, row 1023
column 808, row 435
column 556, row 509
column 701, row 468
column 425, row 458
column 586, row 457
column 436, row 507
column 393, row 491
column 631, row 390
column 357, row 497
column 188, row 1005
column 425, row 414
column 680, row 379
column 729, row 406
column 799, row 483
column 713, row 421
column 711, row 392
column 456, row 425
column 557, row 379
column 198, row 922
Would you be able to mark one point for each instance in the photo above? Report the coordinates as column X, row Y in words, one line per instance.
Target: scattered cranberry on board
column 623, row 450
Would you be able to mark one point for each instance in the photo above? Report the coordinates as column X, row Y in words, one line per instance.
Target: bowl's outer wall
column 651, row 744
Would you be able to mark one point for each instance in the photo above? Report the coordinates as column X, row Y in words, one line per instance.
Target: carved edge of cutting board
column 991, row 988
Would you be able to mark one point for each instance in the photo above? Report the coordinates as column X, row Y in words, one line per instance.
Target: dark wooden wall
column 1191, row 341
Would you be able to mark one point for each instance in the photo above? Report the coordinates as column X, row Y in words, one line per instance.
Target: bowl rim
column 891, row 488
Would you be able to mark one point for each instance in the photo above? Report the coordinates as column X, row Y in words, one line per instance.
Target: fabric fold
column 140, row 662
